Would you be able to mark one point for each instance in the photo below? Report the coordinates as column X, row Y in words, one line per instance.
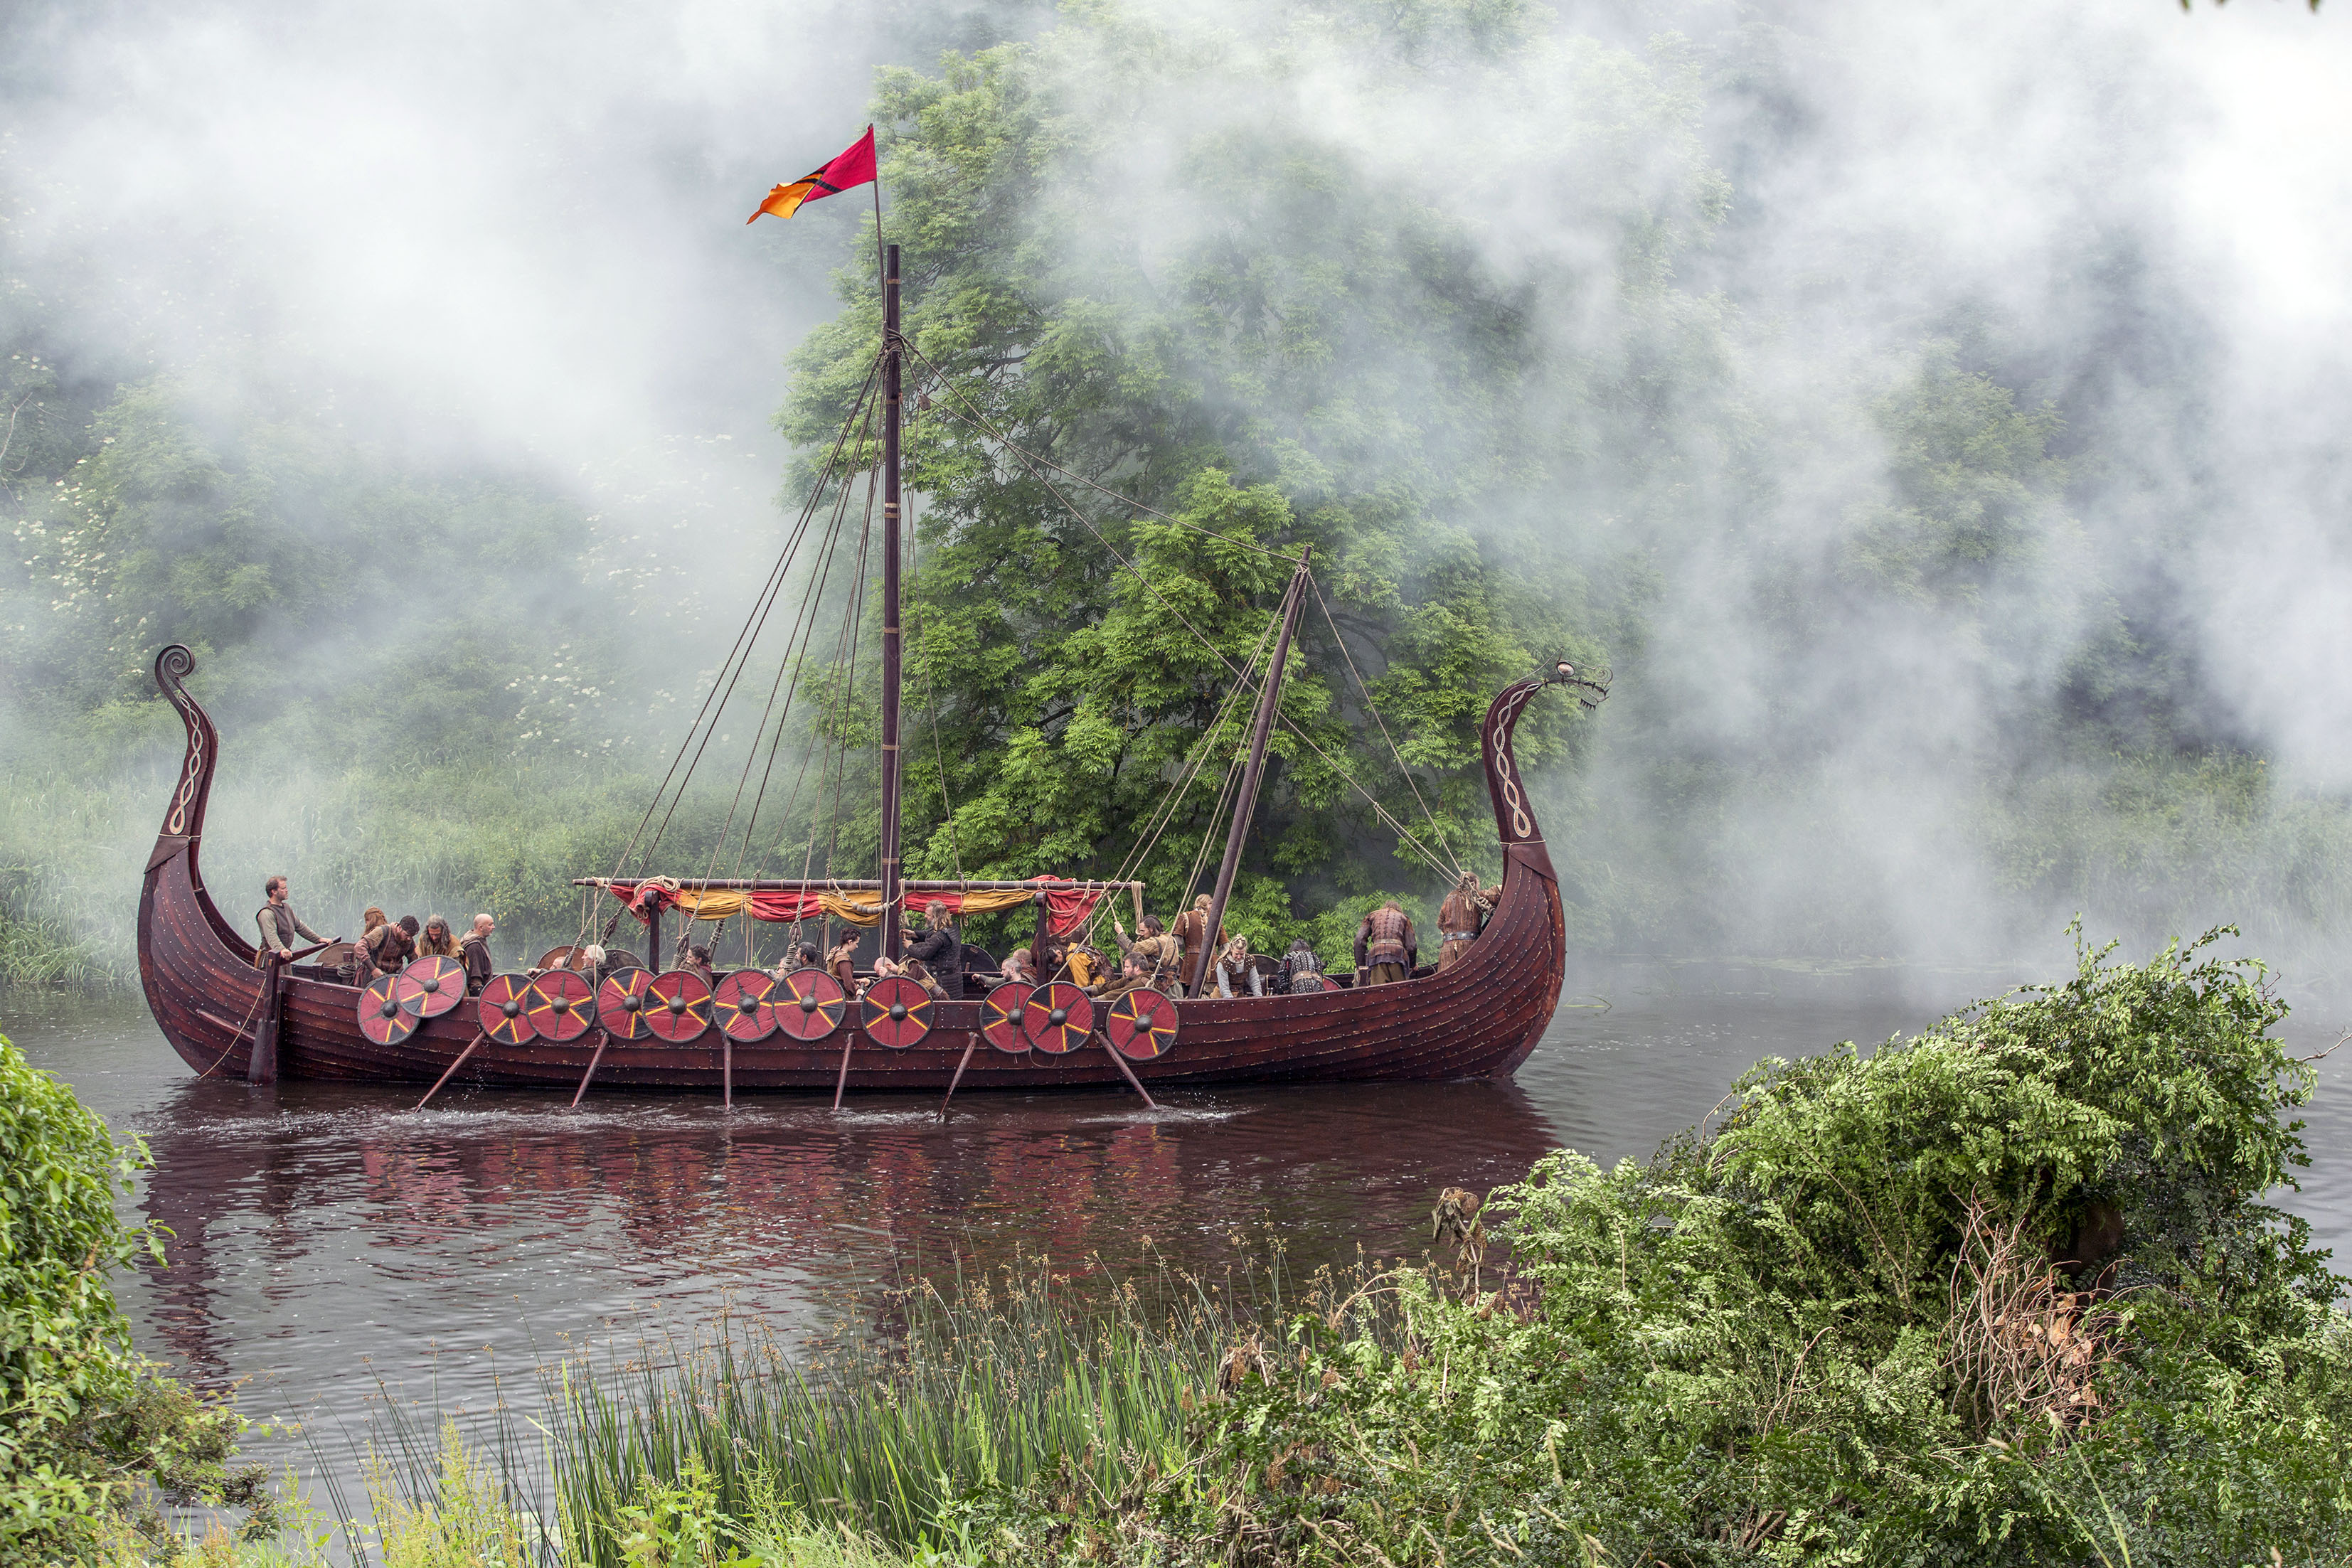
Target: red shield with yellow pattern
column 382, row 1017
column 1058, row 1019
column 897, row 1012
column 735, row 1006
column 677, row 1006
column 440, row 986
column 1142, row 1025
column 1000, row 1017
column 621, row 1004
column 805, row 1005
column 504, row 1010
column 561, row 1005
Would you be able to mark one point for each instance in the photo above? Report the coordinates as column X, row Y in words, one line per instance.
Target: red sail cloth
column 1066, row 908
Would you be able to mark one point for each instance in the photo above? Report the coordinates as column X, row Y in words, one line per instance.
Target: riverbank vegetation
column 2009, row 1292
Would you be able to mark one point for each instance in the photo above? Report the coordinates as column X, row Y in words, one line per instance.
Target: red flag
column 853, row 167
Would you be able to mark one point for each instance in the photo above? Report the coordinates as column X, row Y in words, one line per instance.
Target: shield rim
column 875, row 1012
column 834, row 1009
column 585, row 1018
column 399, row 1025
column 1010, row 1020
column 747, row 1017
column 643, row 1029
column 684, row 978
column 1133, row 1002
column 1031, row 1031
column 517, row 989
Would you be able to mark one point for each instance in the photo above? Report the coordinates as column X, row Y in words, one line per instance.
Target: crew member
column 437, row 942
column 1386, row 949
column 1153, row 948
column 1192, row 934
column 1018, row 967
column 937, row 949
column 1302, row 971
column 696, row 960
column 278, row 924
column 474, row 952
column 843, row 962
column 1461, row 917
column 1235, row 962
column 595, row 965
column 362, row 968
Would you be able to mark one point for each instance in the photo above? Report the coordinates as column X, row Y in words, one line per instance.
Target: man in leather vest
column 1386, row 949
column 278, row 924
column 1461, row 917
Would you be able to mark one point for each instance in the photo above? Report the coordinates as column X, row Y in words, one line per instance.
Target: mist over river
column 330, row 1242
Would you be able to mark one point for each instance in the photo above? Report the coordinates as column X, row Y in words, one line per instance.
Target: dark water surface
column 331, row 1240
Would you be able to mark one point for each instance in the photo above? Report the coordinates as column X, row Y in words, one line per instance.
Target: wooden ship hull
column 1479, row 1018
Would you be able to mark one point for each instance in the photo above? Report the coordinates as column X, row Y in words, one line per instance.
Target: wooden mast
column 893, row 363
column 1267, row 703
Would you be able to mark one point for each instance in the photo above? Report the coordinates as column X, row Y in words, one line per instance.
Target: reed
column 991, row 1383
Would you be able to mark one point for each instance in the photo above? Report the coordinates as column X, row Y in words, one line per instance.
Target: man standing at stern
column 1461, row 917
column 278, row 923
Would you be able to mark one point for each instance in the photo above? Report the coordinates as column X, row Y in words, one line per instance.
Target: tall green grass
column 990, row 1383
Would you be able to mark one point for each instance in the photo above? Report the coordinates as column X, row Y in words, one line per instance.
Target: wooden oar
column 602, row 1039
column 970, row 1046
column 727, row 1072
column 843, row 1082
column 479, row 1037
column 1128, row 1073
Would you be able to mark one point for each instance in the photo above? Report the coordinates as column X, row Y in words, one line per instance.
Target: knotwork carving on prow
column 183, row 818
column 1514, row 819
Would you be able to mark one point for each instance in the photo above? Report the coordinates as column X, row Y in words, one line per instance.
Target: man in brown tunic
column 474, row 952
column 1386, row 949
column 1191, row 934
column 1461, row 917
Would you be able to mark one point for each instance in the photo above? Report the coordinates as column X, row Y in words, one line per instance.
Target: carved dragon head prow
column 1515, row 819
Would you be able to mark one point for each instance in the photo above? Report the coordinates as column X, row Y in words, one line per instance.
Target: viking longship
column 561, row 1025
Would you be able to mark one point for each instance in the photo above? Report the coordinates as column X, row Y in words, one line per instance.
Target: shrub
column 84, row 1420
column 1882, row 1313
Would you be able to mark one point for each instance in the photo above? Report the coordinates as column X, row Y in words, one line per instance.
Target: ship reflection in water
column 330, row 1225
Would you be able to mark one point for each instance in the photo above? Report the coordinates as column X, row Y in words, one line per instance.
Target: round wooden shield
column 898, row 1012
column 735, row 1006
column 558, row 958
column 677, row 1006
column 806, row 1004
column 1142, row 1025
column 621, row 1004
column 382, row 1017
column 1058, row 1017
column 1331, row 985
column 1000, row 1017
column 440, row 986
column 561, row 1005
column 505, row 1010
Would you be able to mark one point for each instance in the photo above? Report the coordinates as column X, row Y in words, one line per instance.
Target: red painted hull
column 1478, row 1020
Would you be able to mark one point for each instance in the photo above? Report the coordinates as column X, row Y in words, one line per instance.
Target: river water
column 332, row 1244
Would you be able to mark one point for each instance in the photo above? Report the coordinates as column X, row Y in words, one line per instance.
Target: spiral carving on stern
column 183, row 818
